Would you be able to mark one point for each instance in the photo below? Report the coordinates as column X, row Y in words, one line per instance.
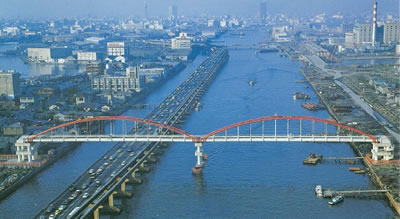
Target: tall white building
column 181, row 42
column 9, row 83
column 391, row 33
column 116, row 48
column 363, row 33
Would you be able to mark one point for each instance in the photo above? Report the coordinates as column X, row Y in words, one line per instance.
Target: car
column 50, row 208
column 98, row 183
column 86, row 195
column 98, row 189
column 66, row 202
column 91, row 171
column 84, row 186
column 78, row 191
column 129, row 150
column 132, row 154
column 106, row 163
column 72, row 188
column 57, row 212
column 111, row 158
column 105, row 157
column 114, row 173
column 123, row 163
column 52, row 216
column 119, row 151
column 62, row 207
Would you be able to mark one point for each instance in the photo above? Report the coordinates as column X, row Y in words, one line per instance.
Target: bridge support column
column 152, row 159
column 123, row 193
column 198, row 169
column 111, row 203
column 96, row 213
column 135, row 179
column 143, row 168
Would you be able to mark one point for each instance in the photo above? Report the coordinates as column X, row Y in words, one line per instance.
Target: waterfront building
column 39, row 54
column 391, row 33
column 48, row 55
column 181, row 42
column 116, row 48
column 363, row 33
column 9, row 83
column 128, row 83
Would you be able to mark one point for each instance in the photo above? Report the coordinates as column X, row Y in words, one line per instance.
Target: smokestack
column 374, row 24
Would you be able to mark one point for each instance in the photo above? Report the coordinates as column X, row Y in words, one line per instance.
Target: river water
column 240, row 180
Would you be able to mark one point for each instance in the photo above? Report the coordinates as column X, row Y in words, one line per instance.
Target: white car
column 86, row 195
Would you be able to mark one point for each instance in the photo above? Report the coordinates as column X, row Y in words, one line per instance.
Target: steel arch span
column 272, row 118
column 116, row 118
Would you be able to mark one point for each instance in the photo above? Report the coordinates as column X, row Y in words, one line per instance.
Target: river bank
column 324, row 87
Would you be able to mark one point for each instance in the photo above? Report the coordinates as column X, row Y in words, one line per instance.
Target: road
column 90, row 186
column 356, row 98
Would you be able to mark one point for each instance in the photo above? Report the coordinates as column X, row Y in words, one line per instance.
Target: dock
column 312, row 159
column 340, row 160
column 353, row 193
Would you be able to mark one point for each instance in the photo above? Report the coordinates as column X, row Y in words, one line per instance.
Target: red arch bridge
column 264, row 129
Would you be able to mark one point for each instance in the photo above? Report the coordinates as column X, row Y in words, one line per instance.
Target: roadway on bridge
column 124, row 154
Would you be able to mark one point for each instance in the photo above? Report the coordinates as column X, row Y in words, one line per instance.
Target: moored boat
column 336, row 200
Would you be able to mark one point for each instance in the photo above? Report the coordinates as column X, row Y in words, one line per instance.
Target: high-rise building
column 391, row 33
column 263, row 12
column 363, row 33
column 172, row 12
column 146, row 13
column 9, row 83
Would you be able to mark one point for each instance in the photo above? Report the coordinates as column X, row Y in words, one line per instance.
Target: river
column 240, row 180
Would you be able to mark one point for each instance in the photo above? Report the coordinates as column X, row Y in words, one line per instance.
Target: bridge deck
column 181, row 138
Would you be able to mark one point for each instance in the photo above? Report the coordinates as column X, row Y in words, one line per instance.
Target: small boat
column 251, row 82
column 318, row 190
column 336, row 200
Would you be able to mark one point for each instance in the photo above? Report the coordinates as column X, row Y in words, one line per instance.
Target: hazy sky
column 70, row 8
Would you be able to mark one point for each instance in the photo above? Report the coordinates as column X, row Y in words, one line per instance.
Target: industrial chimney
column 374, row 24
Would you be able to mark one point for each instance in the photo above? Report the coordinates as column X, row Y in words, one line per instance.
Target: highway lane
column 104, row 171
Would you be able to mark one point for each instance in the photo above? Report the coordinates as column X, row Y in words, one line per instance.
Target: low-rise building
column 128, row 83
column 14, row 129
column 181, row 42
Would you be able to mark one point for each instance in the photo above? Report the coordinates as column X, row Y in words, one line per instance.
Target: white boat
column 336, row 200
column 318, row 190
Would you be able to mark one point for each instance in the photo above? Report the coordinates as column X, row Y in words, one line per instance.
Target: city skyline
column 75, row 8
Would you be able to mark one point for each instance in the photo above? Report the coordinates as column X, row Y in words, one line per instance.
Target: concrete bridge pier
column 143, row 168
column 111, row 208
column 135, row 179
column 96, row 213
column 152, row 159
column 122, row 193
column 198, row 169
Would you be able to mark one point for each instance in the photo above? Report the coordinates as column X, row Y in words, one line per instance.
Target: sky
column 85, row 8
